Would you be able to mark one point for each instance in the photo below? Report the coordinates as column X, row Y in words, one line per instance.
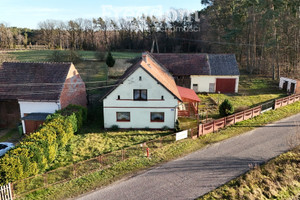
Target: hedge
column 34, row 154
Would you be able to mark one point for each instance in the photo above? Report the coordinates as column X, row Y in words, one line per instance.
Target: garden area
column 253, row 91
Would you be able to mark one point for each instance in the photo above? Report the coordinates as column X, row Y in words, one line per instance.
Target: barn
column 31, row 91
column 202, row 72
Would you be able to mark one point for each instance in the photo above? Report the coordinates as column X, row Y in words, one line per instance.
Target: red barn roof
column 188, row 95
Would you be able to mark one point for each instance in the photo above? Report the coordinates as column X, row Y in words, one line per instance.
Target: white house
column 202, row 72
column 145, row 97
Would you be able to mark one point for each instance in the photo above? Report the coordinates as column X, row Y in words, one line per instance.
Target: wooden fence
column 215, row 125
column 286, row 101
column 5, row 192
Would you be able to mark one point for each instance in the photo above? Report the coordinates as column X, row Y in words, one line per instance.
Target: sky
column 28, row 13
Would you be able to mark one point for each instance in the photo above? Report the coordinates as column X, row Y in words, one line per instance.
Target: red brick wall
column 74, row 91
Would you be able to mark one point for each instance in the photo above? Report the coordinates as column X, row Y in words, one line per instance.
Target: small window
column 123, row 116
column 157, row 117
column 140, row 95
column 119, row 97
column 140, row 78
column 162, row 97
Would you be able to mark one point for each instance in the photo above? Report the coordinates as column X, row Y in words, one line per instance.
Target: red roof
column 188, row 95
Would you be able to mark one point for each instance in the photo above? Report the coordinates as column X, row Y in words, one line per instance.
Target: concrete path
column 202, row 171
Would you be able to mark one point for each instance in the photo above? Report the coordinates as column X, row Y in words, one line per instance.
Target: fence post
column 74, row 170
column 45, row 179
column 11, row 190
column 147, row 152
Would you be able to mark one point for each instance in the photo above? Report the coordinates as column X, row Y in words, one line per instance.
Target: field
column 43, row 55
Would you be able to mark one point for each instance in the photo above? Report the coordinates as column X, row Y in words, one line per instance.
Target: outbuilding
column 29, row 91
column 202, row 72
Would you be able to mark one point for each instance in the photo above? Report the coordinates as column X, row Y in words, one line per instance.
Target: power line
column 53, row 91
column 50, row 84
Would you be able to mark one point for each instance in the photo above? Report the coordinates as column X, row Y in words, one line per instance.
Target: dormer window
column 140, row 95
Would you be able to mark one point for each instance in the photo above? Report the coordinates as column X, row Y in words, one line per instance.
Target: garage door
column 225, row 85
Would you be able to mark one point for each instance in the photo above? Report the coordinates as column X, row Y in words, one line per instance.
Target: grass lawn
column 85, row 146
column 119, row 170
column 277, row 179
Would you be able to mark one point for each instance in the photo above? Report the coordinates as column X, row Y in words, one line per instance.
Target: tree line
column 263, row 34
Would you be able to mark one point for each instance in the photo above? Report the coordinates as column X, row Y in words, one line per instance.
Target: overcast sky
column 28, row 13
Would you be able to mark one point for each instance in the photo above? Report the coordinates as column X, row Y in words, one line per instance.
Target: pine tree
column 110, row 61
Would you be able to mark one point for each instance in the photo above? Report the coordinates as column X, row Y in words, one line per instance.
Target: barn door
column 225, row 85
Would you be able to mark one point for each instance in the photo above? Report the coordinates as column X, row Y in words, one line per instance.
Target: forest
column 263, row 34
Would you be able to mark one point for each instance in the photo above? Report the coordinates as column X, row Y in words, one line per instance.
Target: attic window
column 140, row 78
column 162, row 97
column 119, row 97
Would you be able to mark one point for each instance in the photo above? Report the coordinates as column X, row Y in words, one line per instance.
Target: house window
column 140, row 95
column 119, row 97
column 157, row 117
column 162, row 97
column 123, row 116
column 140, row 78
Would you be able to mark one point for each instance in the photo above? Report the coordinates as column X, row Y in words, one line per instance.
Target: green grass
column 277, row 179
column 11, row 136
column 119, row 170
column 43, row 55
column 90, row 145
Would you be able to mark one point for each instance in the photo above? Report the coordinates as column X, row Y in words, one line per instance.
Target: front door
column 195, row 87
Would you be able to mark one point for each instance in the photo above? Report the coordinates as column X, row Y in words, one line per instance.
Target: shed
column 33, row 121
column 189, row 106
column 290, row 85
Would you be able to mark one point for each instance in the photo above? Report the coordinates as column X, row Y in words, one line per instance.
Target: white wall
column 204, row 81
column 37, row 107
column 140, row 110
column 290, row 81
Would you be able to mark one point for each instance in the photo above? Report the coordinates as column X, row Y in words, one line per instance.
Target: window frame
column 163, row 114
column 140, row 94
column 120, row 120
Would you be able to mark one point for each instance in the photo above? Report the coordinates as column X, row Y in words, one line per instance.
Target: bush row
column 34, row 154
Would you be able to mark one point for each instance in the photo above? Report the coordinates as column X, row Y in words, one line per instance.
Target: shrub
column 79, row 111
column 34, row 154
column 114, row 128
column 177, row 125
column 165, row 128
column 226, row 108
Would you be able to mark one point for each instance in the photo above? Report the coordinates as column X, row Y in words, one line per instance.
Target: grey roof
column 198, row 63
column 223, row 64
column 36, row 116
column 32, row 81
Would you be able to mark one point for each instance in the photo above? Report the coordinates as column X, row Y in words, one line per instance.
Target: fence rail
column 286, row 101
column 5, row 192
column 218, row 124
